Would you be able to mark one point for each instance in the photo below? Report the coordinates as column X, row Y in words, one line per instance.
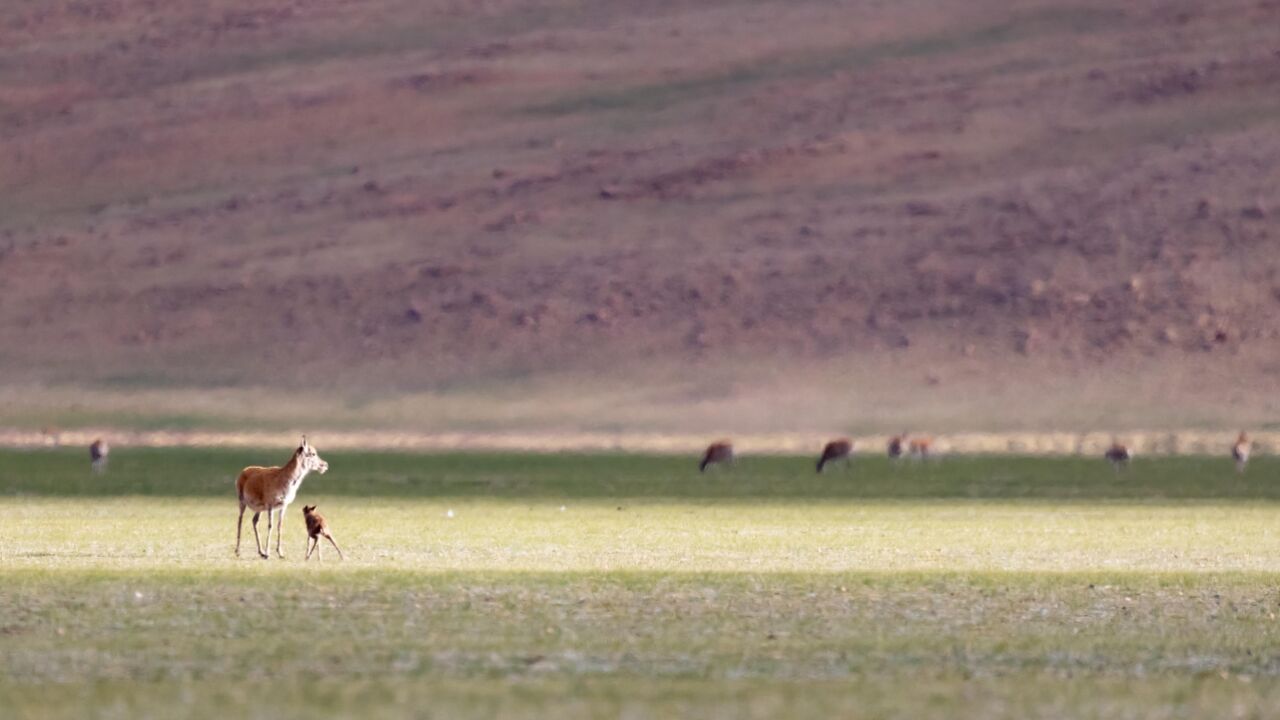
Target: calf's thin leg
column 335, row 546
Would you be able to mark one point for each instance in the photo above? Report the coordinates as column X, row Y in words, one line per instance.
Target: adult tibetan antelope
column 1240, row 451
column 720, row 451
column 272, row 489
column 841, row 449
column 1119, row 454
column 98, row 451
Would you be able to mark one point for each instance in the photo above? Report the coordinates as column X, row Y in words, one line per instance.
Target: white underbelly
column 274, row 501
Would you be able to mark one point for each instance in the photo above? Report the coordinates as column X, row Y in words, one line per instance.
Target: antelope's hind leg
column 335, row 546
column 311, row 545
column 257, row 541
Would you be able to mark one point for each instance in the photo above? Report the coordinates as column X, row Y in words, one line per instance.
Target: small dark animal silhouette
column 1240, row 451
column 318, row 527
column 841, row 449
column 98, row 451
column 895, row 447
column 720, row 451
column 1119, row 455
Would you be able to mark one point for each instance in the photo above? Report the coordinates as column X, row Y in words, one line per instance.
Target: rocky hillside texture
column 413, row 193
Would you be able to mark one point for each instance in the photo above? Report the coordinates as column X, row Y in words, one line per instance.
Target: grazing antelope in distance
column 272, row 489
column 895, row 446
column 920, row 447
column 841, row 449
column 317, row 527
column 720, row 451
column 1240, row 451
column 1119, row 454
column 98, row 451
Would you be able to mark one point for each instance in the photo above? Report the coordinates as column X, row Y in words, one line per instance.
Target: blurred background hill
column 676, row 215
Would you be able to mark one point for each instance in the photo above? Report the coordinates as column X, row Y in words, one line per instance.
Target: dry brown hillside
column 419, row 193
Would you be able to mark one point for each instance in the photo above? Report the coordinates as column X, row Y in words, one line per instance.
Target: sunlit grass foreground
column 606, row 586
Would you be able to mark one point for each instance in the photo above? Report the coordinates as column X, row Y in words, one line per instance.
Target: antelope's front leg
column 266, row 549
column 280, row 531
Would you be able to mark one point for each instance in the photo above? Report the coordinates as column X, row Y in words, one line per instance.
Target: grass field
column 630, row 586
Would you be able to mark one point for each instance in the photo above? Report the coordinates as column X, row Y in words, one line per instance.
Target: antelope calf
column 317, row 527
column 1119, row 454
column 1240, row 451
column 271, row 489
column 98, row 451
column 920, row 447
column 841, row 449
column 720, row 451
column 895, row 447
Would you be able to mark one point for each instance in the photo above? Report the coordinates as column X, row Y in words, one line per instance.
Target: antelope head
column 309, row 459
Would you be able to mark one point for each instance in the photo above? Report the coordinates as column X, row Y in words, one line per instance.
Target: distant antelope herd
column 921, row 448
column 272, row 489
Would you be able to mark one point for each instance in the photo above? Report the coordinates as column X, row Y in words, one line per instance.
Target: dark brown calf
column 317, row 527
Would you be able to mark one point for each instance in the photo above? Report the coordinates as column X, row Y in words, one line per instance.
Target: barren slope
column 406, row 194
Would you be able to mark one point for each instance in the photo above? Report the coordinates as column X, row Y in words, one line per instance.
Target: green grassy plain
column 590, row 586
